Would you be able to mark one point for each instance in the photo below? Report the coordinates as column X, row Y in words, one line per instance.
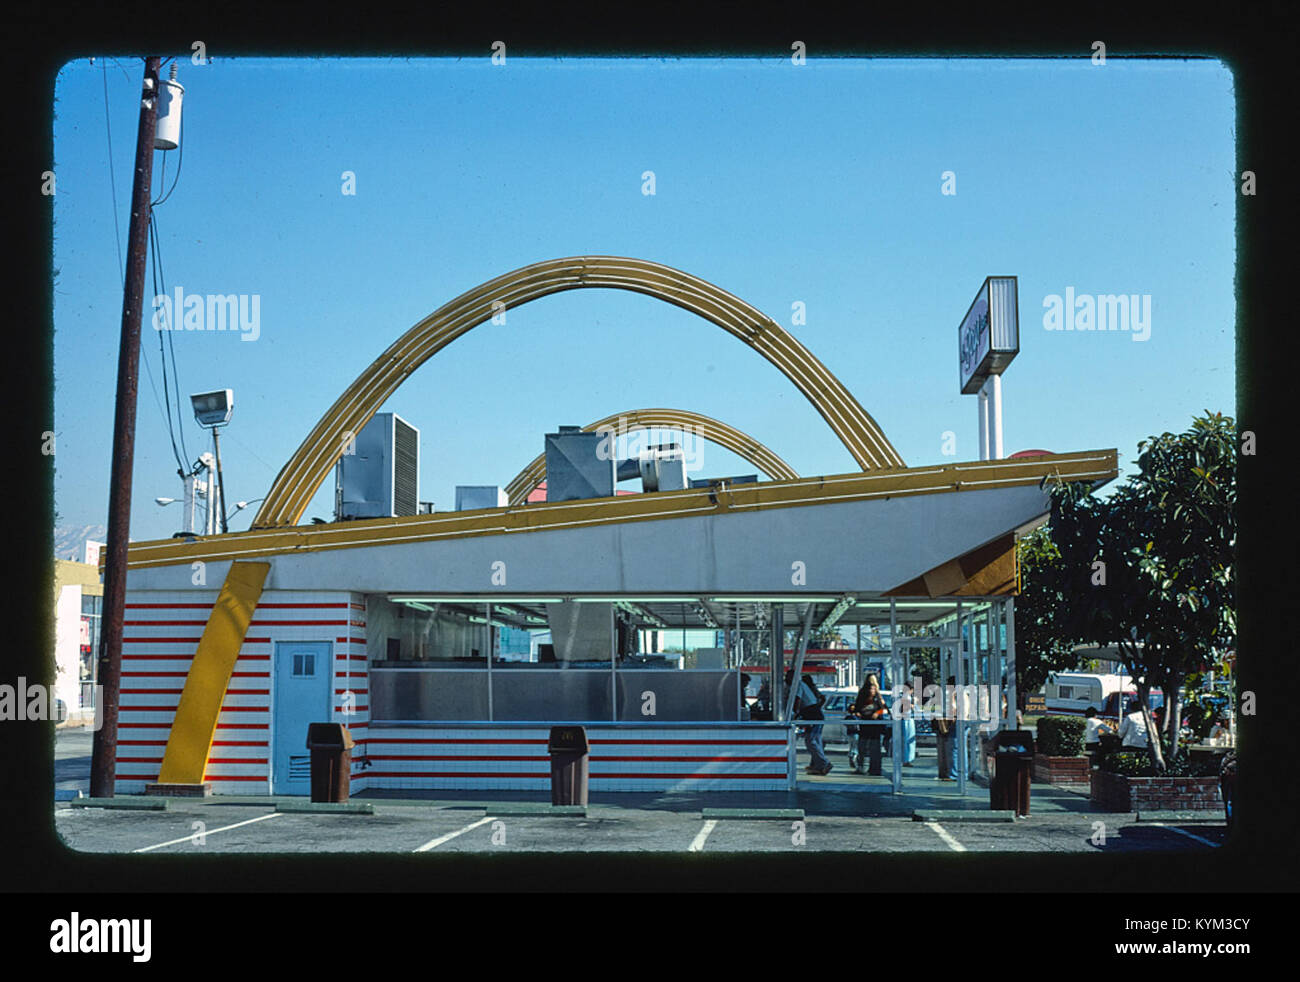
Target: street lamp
column 241, row 505
column 212, row 410
column 194, row 489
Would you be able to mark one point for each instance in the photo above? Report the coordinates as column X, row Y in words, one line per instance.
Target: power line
column 171, row 341
column 180, row 160
column 171, row 434
column 112, row 181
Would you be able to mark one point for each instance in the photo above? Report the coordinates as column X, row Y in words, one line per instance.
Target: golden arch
column 720, row 433
column 311, row 463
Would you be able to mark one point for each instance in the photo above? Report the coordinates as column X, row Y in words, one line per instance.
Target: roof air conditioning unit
column 378, row 475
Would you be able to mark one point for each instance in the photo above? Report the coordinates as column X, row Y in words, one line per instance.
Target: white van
column 1074, row 693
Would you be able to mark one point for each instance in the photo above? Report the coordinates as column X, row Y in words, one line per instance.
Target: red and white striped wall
column 161, row 631
column 656, row 757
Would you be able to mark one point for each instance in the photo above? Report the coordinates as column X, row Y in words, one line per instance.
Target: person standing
column 908, row 725
column 870, row 705
column 1093, row 730
column 1133, row 731
column 808, row 704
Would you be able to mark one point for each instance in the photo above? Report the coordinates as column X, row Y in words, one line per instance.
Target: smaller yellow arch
column 711, row 429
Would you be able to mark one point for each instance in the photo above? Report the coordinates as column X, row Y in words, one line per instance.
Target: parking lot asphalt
column 839, row 815
column 190, row 826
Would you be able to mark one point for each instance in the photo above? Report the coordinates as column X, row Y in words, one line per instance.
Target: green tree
column 1150, row 569
column 1043, row 643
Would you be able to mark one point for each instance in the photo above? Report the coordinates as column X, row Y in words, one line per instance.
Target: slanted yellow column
column 205, row 686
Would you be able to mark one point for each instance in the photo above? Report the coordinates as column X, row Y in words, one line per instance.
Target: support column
column 491, row 646
column 896, row 744
column 963, row 725
column 984, row 420
column 778, row 662
column 995, row 416
column 857, row 659
column 805, row 632
column 1009, row 611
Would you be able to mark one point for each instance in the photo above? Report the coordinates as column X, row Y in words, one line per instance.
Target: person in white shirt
column 1093, row 730
column 1219, row 732
column 1133, row 731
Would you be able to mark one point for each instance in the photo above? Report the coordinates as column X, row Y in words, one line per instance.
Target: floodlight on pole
column 212, row 410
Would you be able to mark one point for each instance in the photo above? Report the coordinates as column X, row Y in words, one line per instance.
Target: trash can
column 1013, row 763
column 331, row 761
column 568, row 749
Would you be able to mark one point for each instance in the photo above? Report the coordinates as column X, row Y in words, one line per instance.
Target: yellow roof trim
column 1092, row 465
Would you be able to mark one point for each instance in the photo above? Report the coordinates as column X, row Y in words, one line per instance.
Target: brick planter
column 1063, row 772
column 1116, row 793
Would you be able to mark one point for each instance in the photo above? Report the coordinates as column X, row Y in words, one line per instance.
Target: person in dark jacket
column 808, row 704
column 870, row 705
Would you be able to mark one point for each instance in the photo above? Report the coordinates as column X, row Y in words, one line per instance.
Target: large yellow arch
column 717, row 431
column 311, row 463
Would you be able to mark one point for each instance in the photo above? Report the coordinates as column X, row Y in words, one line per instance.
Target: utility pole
column 103, row 766
column 221, row 484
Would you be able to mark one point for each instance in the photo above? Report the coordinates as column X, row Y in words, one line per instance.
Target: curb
column 517, row 808
column 130, row 804
column 1207, row 816
column 325, row 807
column 796, row 814
column 957, row 815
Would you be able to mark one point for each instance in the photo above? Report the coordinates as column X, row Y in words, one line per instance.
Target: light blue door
column 302, row 696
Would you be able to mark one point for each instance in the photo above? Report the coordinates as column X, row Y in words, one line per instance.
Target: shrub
column 1139, row 763
column 1061, row 736
column 1129, row 763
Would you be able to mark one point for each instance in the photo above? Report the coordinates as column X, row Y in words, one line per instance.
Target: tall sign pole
column 988, row 338
column 103, row 761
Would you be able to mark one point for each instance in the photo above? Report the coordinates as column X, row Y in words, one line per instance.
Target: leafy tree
column 1043, row 644
column 1150, row 569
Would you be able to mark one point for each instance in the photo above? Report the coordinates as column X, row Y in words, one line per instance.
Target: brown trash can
column 568, row 749
column 1013, row 765
column 331, row 761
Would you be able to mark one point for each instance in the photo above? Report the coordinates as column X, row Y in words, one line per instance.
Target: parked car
column 838, row 701
column 1110, row 710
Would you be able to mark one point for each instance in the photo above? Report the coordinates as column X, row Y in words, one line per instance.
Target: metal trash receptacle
column 331, row 761
column 1013, row 763
column 569, row 751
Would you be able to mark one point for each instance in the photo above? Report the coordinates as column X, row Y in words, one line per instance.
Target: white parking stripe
column 1162, row 825
column 698, row 844
column 434, row 843
column 953, row 844
column 207, row 832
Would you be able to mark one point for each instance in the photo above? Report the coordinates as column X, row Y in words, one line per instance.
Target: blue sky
column 819, row 183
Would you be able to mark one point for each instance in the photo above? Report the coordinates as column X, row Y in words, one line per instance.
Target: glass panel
column 446, row 632
column 518, row 633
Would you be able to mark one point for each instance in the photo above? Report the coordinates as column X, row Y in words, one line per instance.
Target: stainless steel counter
column 431, row 694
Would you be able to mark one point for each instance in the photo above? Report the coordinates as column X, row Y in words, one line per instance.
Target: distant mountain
column 70, row 540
